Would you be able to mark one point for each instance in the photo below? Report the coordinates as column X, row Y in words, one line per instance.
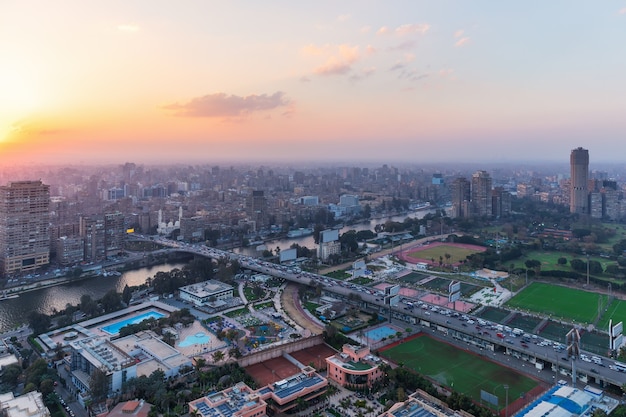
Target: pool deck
column 91, row 327
column 213, row 344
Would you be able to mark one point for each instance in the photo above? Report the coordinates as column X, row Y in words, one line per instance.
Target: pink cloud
column 221, row 105
column 462, row 42
column 408, row 29
column 459, row 33
column 339, row 58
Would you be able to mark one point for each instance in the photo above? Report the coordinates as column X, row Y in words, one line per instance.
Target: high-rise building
column 24, row 226
column 481, row 193
column 256, row 207
column 579, row 177
column 460, row 197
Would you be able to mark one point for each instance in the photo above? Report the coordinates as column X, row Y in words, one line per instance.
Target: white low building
column 206, row 292
column 26, row 405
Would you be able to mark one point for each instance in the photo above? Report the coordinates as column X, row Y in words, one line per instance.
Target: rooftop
column 206, row 288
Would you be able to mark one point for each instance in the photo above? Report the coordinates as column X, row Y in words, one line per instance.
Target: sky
column 87, row 82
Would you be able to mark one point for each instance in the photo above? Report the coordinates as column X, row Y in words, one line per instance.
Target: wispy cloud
column 343, row 17
column 128, row 28
column 338, row 58
column 365, row 73
column 622, row 11
column 408, row 29
column 366, row 29
column 404, row 30
column 461, row 39
column 221, row 105
column 462, row 42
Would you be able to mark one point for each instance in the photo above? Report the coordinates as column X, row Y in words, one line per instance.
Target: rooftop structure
column 281, row 396
column 206, row 292
column 560, row 401
column 238, row 401
column 151, row 353
column 420, row 404
column 26, row 405
column 97, row 353
column 354, row 366
column 130, row 409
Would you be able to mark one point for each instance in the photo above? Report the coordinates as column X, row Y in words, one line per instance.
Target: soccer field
column 462, row 371
column 616, row 311
column 556, row 301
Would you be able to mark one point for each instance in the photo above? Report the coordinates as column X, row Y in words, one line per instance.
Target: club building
column 279, row 397
column 206, row 292
column 355, row 366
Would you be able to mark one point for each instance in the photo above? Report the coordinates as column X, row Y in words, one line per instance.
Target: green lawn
column 549, row 260
column 556, row 301
column 460, row 370
column 456, row 253
column 616, row 311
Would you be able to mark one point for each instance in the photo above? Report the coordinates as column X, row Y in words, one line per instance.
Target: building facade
column 206, row 292
column 481, row 194
column 354, row 367
column 579, row 177
column 24, row 226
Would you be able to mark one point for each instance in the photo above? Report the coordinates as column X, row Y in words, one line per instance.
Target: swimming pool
column 114, row 328
column 199, row 338
column 379, row 333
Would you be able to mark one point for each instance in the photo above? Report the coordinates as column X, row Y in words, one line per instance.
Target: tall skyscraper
column 460, row 198
column 579, row 173
column 481, row 193
column 24, row 226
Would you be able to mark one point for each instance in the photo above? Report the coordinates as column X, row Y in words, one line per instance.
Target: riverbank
column 122, row 266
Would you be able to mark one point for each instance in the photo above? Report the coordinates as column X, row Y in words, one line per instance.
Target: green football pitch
column 459, row 370
column 616, row 311
column 561, row 302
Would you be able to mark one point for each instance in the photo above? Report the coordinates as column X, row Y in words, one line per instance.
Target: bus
column 620, row 367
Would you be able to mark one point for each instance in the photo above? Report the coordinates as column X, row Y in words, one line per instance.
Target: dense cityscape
column 312, row 209
column 308, row 283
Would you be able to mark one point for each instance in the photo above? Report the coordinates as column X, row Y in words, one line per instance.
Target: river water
column 14, row 312
column 309, row 242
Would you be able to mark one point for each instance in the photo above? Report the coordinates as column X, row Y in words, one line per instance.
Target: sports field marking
column 462, row 371
column 554, row 300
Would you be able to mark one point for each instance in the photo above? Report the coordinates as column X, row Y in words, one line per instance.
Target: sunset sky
column 90, row 81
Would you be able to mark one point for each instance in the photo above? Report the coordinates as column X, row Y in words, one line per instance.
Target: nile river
column 14, row 311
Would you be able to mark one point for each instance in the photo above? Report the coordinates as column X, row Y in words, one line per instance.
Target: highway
column 462, row 327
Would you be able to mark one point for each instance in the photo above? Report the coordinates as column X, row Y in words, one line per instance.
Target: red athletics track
column 404, row 254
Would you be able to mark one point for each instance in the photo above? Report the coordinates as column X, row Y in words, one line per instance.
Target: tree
column 39, row 322
column 127, row 294
column 98, row 384
column 112, row 301
column 217, row 356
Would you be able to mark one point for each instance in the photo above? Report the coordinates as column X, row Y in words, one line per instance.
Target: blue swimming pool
column 115, row 327
column 379, row 333
column 195, row 339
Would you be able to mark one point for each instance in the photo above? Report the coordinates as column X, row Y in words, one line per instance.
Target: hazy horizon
column 401, row 82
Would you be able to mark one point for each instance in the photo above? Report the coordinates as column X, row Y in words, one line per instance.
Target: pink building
column 355, row 366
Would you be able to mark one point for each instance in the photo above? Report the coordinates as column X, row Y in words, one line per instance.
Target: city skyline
column 414, row 82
